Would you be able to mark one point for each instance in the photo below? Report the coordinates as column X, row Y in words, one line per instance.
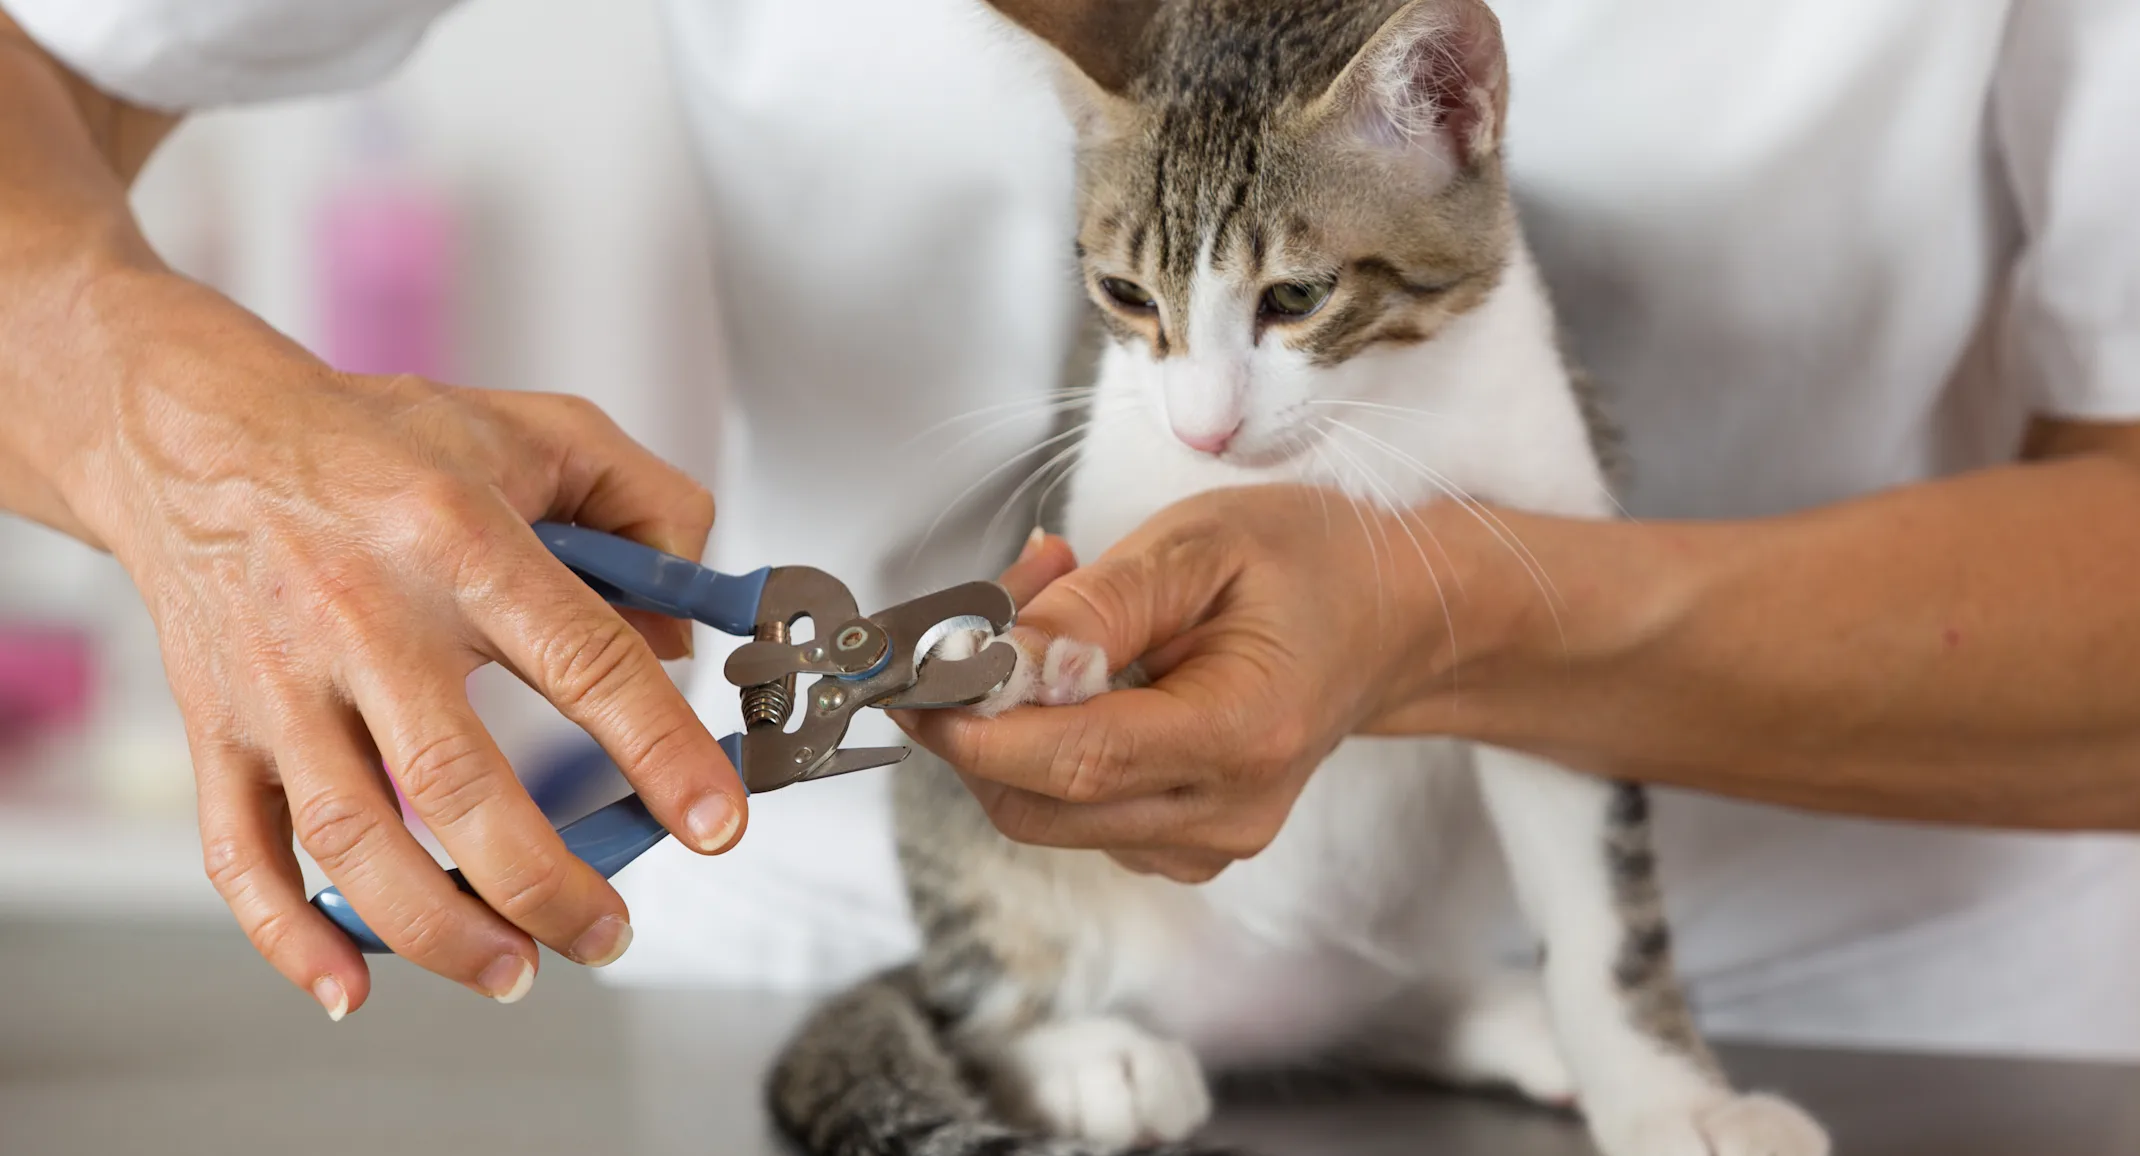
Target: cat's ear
column 1435, row 75
column 1102, row 44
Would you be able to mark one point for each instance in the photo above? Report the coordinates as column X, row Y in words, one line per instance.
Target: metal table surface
column 139, row 1039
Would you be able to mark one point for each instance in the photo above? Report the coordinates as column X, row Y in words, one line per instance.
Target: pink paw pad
column 1072, row 672
column 1067, row 673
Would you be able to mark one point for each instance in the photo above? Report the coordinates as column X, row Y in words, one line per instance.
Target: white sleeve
column 2066, row 109
column 186, row 54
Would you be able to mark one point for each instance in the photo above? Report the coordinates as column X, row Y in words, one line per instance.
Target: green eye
column 1296, row 298
column 1127, row 294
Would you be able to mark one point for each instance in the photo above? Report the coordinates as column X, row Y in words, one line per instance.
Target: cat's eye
column 1127, row 294
column 1295, row 298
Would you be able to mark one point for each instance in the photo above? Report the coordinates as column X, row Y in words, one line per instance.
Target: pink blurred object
column 387, row 255
column 47, row 679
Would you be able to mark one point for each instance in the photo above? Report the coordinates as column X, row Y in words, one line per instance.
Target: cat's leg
column 1012, row 938
column 1579, row 852
column 1487, row 1032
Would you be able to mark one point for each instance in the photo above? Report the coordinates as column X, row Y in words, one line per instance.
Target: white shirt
column 1812, row 249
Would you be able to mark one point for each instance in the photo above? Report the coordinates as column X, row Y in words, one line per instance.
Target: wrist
column 56, row 344
column 1539, row 608
column 135, row 386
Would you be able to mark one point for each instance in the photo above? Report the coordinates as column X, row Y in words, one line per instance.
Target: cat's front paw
column 1731, row 1125
column 1066, row 673
column 1106, row 1081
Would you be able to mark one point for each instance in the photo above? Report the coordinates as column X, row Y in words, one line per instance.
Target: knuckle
column 410, row 388
column 533, row 886
column 1189, row 871
column 1110, row 588
column 339, row 594
column 425, row 932
column 668, row 747
column 1245, row 842
column 335, row 829
column 572, row 417
column 229, row 863
column 436, row 514
column 1092, row 763
column 595, row 658
column 273, row 934
column 697, row 507
column 1203, row 529
column 434, row 494
column 1017, row 818
column 447, row 778
column 1282, row 744
column 580, row 410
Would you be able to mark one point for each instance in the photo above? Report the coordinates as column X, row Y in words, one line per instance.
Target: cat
column 1291, row 211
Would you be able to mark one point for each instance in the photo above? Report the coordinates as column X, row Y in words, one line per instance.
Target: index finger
column 571, row 646
column 1126, row 744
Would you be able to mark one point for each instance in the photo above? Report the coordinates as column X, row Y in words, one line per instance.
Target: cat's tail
column 869, row 1075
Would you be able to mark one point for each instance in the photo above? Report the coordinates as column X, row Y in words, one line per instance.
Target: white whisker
column 988, row 532
column 1423, row 415
column 1387, row 497
column 1054, row 399
column 1427, row 418
column 1374, row 556
column 1038, row 447
column 1485, row 516
column 1050, row 409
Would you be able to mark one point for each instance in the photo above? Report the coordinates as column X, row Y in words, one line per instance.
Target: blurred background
column 514, row 210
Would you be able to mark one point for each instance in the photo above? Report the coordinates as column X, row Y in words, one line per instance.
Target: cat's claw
column 1733, row 1125
column 1106, row 1081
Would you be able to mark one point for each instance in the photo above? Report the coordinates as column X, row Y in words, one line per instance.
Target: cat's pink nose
column 1205, row 442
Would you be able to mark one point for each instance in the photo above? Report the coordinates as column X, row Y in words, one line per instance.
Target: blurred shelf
column 80, row 863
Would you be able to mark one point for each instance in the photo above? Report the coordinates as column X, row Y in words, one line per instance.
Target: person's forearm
column 1963, row 651
column 67, row 153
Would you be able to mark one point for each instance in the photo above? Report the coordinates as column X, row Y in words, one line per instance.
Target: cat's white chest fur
column 1385, row 877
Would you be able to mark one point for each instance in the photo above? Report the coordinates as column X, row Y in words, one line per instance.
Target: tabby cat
column 1295, row 225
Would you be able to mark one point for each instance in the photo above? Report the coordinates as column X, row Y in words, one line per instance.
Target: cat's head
column 1272, row 189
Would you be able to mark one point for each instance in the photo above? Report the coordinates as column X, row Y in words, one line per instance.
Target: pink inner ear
column 1447, row 63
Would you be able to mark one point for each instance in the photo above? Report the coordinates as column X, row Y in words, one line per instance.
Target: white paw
column 1506, row 1037
column 1067, row 673
column 959, row 645
column 1107, row 1081
column 1072, row 672
column 1732, row 1125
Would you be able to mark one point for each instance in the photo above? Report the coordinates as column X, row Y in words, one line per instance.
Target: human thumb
column 1137, row 597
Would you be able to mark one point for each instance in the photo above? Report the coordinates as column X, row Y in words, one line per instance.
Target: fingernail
column 507, row 979
column 1033, row 543
column 604, row 943
column 328, row 990
column 713, row 821
column 690, row 642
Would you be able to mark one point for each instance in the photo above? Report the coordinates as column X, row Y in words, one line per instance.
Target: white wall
column 552, row 123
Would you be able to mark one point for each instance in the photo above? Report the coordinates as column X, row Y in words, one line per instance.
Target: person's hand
column 328, row 558
column 1273, row 621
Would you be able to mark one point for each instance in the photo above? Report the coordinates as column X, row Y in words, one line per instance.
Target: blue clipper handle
column 628, row 574
column 607, row 839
